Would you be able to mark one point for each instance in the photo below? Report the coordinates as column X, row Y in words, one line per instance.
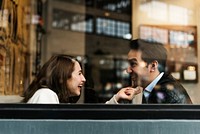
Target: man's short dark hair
column 151, row 52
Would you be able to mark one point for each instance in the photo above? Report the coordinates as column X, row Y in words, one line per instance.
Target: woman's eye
column 80, row 73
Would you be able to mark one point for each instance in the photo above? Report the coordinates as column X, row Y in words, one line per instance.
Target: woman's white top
column 44, row 96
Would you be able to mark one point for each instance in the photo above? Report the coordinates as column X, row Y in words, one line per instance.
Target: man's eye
column 133, row 64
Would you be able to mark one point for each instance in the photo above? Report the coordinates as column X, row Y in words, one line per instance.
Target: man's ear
column 154, row 66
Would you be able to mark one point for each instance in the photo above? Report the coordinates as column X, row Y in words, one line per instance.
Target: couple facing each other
column 61, row 78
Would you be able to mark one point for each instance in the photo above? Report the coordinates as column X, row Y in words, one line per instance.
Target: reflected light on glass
column 79, row 58
column 191, row 68
column 155, row 9
column 178, row 15
column 127, row 36
column 101, row 62
column 165, row 12
column 118, row 85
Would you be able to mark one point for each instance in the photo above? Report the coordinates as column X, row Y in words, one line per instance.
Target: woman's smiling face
column 77, row 80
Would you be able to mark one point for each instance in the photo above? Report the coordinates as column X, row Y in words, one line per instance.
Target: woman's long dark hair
column 53, row 75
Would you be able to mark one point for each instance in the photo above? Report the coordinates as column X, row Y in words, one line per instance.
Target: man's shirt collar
column 150, row 87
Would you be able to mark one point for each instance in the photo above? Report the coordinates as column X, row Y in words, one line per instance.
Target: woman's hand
column 128, row 93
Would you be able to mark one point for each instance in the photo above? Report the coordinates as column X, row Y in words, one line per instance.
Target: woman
column 59, row 79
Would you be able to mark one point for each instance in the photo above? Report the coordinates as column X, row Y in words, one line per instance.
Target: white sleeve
column 137, row 99
column 112, row 101
column 44, row 96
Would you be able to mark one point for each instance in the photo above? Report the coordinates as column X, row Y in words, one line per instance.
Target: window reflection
column 113, row 28
column 154, row 34
column 155, row 9
column 106, row 26
column 108, row 75
column 181, row 39
column 163, row 11
column 120, row 6
column 180, row 42
column 72, row 21
column 84, row 23
column 178, row 15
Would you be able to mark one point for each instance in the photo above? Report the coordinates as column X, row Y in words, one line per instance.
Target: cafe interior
column 98, row 34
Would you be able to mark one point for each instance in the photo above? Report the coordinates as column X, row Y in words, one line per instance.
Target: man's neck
column 151, row 78
column 154, row 75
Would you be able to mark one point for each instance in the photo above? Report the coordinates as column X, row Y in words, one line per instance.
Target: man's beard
column 137, row 80
column 134, row 80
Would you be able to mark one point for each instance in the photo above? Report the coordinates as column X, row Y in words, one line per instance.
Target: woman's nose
column 83, row 79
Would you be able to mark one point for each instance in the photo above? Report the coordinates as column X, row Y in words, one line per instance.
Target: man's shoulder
column 167, row 78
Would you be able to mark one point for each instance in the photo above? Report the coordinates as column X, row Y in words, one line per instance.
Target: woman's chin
column 76, row 94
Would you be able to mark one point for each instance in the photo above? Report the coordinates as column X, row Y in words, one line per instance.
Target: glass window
column 72, row 21
column 113, row 28
column 181, row 39
column 87, row 3
column 119, row 6
column 181, row 46
column 123, row 30
column 105, row 26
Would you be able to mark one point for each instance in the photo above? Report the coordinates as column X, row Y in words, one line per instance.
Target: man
column 147, row 68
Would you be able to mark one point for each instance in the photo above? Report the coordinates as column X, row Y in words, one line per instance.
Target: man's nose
column 129, row 69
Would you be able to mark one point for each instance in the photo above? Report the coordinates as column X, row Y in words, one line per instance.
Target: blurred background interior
column 98, row 33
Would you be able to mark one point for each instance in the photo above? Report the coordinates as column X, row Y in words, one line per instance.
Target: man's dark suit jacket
column 168, row 91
